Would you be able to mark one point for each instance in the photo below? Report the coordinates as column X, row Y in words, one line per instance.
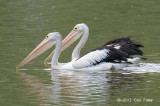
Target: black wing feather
column 127, row 45
column 114, row 55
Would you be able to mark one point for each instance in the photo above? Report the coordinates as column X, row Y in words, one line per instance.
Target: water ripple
column 143, row 68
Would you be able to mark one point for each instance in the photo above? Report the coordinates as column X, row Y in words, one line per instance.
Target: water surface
column 25, row 23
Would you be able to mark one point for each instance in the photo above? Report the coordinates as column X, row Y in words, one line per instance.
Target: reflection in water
column 86, row 87
column 79, row 87
column 34, row 86
column 82, row 87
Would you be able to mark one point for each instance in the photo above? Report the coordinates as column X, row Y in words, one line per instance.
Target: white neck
column 82, row 42
column 56, row 55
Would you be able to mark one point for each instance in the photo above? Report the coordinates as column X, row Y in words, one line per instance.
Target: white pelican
column 113, row 55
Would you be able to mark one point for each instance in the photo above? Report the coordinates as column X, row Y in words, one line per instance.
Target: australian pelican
column 115, row 54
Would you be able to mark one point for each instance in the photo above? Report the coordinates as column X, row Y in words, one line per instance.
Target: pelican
column 113, row 55
column 124, row 44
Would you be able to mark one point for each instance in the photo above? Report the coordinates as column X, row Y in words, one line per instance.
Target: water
column 25, row 23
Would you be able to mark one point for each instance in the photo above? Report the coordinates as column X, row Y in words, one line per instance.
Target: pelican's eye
column 47, row 37
column 75, row 28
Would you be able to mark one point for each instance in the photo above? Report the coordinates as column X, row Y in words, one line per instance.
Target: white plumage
column 91, row 59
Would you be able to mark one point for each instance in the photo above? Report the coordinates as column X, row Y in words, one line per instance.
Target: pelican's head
column 76, row 33
column 53, row 36
column 46, row 44
column 80, row 28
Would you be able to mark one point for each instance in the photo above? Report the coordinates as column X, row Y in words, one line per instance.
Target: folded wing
column 115, row 51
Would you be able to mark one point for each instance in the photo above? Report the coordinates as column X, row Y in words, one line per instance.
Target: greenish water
column 25, row 23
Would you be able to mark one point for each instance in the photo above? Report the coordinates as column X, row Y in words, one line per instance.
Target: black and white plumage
column 126, row 45
column 115, row 51
column 115, row 54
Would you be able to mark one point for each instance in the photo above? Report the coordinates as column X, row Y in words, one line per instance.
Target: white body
column 102, row 66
